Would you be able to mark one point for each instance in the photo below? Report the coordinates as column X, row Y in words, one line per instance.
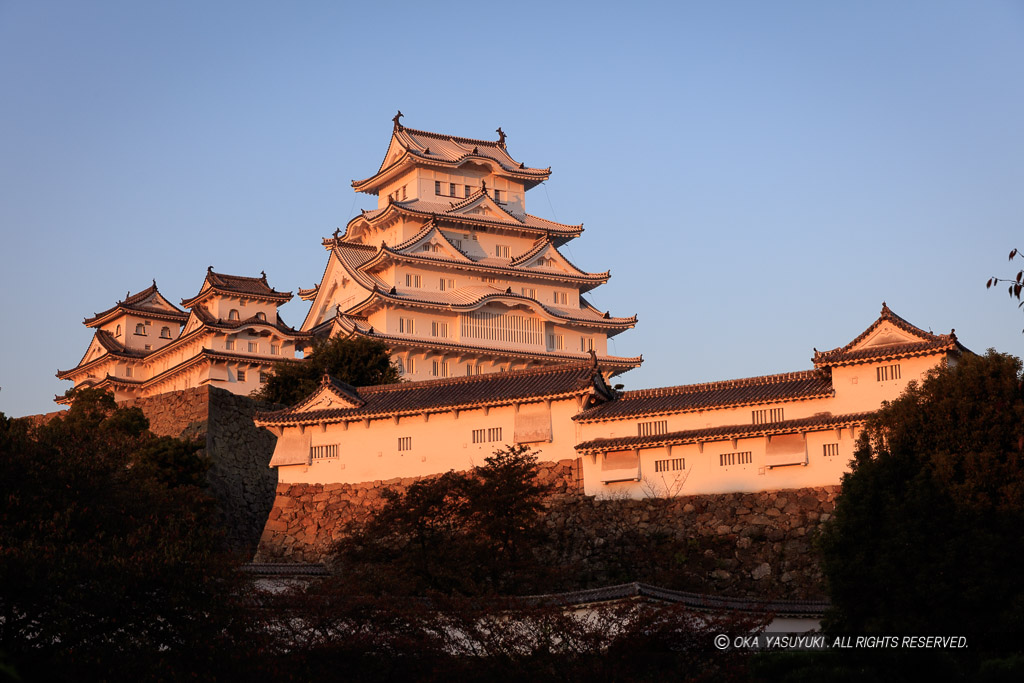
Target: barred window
column 405, row 443
column 887, row 372
column 487, row 435
column 673, row 464
column 652, row 428
column 738, row 458
column 830, row 449
column 767, row 415
column 321, row 452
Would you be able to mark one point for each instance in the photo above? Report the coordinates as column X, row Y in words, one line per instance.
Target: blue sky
column 758, row 176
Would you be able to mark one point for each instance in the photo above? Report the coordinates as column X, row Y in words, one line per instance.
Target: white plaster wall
column 440, row 442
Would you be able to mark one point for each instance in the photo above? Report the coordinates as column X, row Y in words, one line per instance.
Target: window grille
column 502, row 327
column 767, row 415
column 738, row 458
column 322, row 452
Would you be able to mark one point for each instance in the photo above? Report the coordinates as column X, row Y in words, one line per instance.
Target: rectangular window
column 413, row 280
column 406, row 326
column 586, row 344
column 767, row 415
column 410, row 366
column 446, row 284
column 437, row 187
column 738, row 458
column 887, row 372
column 652, row 428
column 275, row 349
column 405, row 443
column 674, row 464
column 149, row 347
column 451, row 189
column 229, row 344
column 530, row 292
column 560, row 298
column 322, row 452
column 830, row 450
column 254, row 347
column 494, row 434
column 440, row 368
column 469, row 190
column 556, row 342
column 241, row 375
column 501, row 250
column 438, row 329
column 497, row 196
column 129, row 371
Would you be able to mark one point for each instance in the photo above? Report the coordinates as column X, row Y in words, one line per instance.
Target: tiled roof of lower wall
column 817, row 422
column 765, row 389
column 462, row 392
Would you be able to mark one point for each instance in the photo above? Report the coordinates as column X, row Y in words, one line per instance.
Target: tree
column 358, row 361
column 926, row 534
column 109, row 557
column 465, row 533
column 1015, row 285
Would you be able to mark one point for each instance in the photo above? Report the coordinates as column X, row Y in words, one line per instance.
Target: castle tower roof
column 236, row 285
column 149, row 302
column 410, row 147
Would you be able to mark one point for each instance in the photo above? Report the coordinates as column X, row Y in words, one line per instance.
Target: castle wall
column 739, row 544
column 240, row 478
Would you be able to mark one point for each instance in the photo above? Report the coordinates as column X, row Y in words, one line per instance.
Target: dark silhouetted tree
column 464, row 533
column 926, row 536
column 109, row 561
column 359, row 362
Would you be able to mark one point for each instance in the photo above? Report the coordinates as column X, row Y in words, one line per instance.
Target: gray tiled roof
column 764, row 389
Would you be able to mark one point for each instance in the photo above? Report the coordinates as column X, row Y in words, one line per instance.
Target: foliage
column 1015, row 285
column 359, row 362
column 495, row 638
column 926, row 534
column 109, row 563
column 460, row 533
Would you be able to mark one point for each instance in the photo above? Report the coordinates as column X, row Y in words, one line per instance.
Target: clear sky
column 758, row 176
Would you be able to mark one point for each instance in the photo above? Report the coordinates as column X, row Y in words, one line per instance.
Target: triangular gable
column 888, row 330
column 331, row 395
column 431, row 242
column 195, row 320
column 544, row 256
column 396, row 150
column 157, row 302
column 481, row 205
column 888, row 335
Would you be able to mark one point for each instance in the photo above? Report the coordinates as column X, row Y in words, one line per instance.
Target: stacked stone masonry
column 756, row 545
column 240, row 478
